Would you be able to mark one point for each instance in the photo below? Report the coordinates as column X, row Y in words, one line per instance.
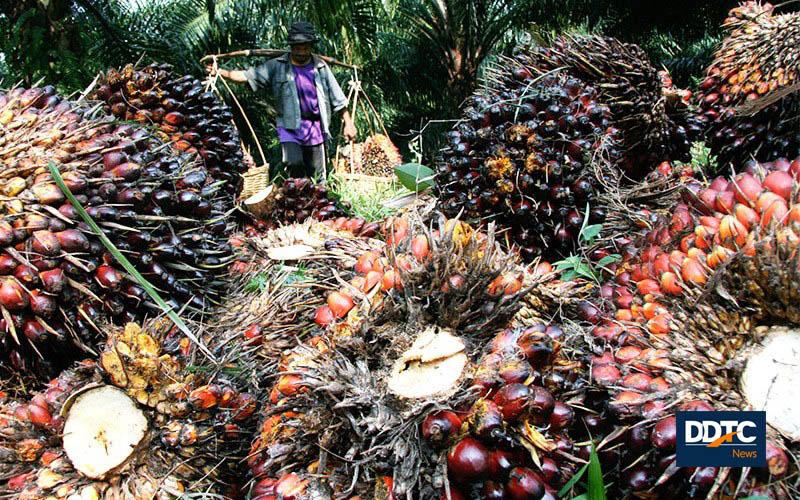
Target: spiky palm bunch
column 411, row 381
column 705, row 318
column 135, row 424
column 749, row 104
column 57, row 281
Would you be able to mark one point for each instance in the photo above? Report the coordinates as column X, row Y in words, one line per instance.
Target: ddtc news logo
column 721, row 438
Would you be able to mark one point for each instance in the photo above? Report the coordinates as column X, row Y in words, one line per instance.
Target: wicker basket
column 347, row 166
column 254, row 180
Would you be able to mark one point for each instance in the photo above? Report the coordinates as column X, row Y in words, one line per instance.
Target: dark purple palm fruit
column 187, row 116
column 649, row 112
column 522, row 156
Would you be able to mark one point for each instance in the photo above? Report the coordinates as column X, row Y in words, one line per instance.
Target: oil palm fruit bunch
column 57, row 280
column 134, row 424
column 379, row 156
column 749, row 104
column 279, row 280
column 649, row 111
column 299, row 199
column 415, row 379
column 186, row 115
column 525, row 155
column 705, row 318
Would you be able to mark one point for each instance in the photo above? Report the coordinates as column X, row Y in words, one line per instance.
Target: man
column 306, row 94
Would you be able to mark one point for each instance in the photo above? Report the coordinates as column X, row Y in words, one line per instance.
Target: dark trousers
column 306, row 161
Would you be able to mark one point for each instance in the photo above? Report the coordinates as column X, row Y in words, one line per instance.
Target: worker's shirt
column 310, row 132
column 288, row 84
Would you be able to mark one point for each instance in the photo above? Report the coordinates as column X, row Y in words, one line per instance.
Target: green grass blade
column 577, row 477
column 151, row 291
column 597, row 490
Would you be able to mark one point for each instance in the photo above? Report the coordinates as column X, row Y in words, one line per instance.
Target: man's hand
column 350, row 131
column 212, row 70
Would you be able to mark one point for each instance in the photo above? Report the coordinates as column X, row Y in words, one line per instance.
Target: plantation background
column 419, row 58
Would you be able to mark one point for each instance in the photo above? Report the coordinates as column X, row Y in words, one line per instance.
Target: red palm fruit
column 693, row 272
column 746, row 215
column 623, row 315
column 439, row 427
column 648, row 286
column 397, row 230
column 659, row 325
column 500, row 463
column 779, row 183
column 454, row 282
column 664, row 434
column 493, row 491
column 7, row 264
column 291, row 487
column 484, row 417
column 766, row 199
column 776, row 212
column 53, row 280
column 704, row 477
column 562, row 416
column 108, row 277
column 777, row 460
column 513, row 400
column 746, row 189
column 792, row 217
column 589, row 312
column 391, row 279
column 365, row 262
column 626, row 354
column 661, row 264
column 506, row 340
column 707, row 199
column 72, row 240
column 542, row 403
column 41, row 304
column 626, row 403
column 44, row 242
column 420, row 248
column 515, row 371
column 404, row 263
column 12, row 296
column 669, row 284
column 606, row 374
column 732, row 231
column 323, row 316
column 720, row 183
column 639, row 479
column 637, row 381
column 505, row 284
column 468, row 460
column 653, row 408
column 696, row 405
column 623, row 298
column 524, row 484
column 34, row 330
column 371, row 280
column 724, row 202
column 39, row 416
column 26, row 275
column 339, row 304
column 253, row 334
column 354, row 225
